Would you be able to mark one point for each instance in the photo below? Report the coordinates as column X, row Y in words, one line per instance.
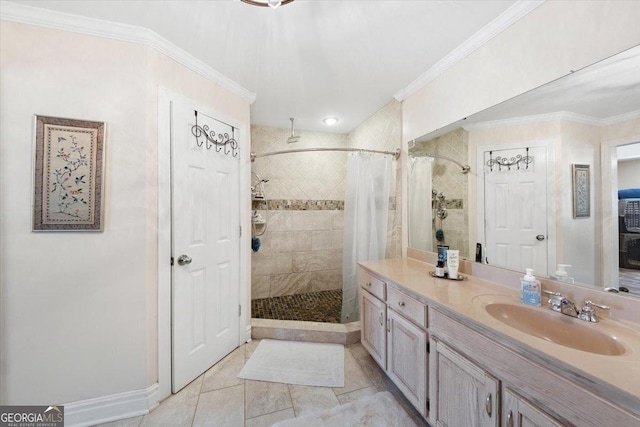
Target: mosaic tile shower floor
column 323, row 306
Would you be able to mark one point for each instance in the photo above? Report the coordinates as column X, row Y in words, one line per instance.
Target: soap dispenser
column 530, row 289
column 561, row 274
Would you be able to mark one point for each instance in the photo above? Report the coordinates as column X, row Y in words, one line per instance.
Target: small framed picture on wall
column 581, row 191
column 68, row 174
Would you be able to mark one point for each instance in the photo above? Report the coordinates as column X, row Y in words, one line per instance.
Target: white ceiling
column 312, row 58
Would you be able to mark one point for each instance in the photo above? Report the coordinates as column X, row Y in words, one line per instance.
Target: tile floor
column 217, row 398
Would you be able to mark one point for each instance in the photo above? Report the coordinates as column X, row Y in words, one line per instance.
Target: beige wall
column 557, row 37
column 579, row 238
column 629, row 174
column 548, row 43
column 301, row 248
column 79, row 310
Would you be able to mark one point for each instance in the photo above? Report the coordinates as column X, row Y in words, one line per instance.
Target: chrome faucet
column 568, row 308
column 588, row 312
column 563, row 305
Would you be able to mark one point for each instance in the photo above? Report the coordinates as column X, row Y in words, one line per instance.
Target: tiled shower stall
column 450, row 181
column 301, row 243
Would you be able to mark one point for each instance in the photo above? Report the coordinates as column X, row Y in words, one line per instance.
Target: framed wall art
column 68, row 174
column 581, row 191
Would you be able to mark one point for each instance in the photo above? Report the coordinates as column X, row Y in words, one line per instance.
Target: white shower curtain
column 420, row 210
column 365, row 222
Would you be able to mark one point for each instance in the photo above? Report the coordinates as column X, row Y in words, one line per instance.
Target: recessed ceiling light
column 330, row 121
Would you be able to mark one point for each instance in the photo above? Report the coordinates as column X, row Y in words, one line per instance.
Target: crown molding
column 555, row 116
column 123, row 32
column 513, row 14
column 621, row 118
column 548, row 117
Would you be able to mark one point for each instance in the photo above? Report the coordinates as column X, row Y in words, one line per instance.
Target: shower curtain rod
column 254, row 156
column 465, row 168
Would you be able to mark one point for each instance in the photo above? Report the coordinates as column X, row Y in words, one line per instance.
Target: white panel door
column 205, row 228
column 515, row 208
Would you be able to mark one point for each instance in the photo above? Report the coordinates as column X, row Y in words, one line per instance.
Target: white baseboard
column 247, row 332
column 111, row 408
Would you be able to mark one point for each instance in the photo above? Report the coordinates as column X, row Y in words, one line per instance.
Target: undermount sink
column 556, row 328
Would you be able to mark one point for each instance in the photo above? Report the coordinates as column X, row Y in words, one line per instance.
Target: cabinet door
column 467, row 395
column 517, row 412
column 373, row 318
column 407, row 359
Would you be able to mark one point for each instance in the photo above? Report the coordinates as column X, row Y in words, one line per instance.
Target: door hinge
column 239, row 310
column 428, row 405
column 428, row 347
column 240, row 231
column 171, row 260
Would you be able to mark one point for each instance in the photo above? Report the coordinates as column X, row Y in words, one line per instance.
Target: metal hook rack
column 209, row 138
column 508, row 162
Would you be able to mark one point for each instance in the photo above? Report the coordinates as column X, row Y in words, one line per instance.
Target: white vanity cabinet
column 407, row 359
column 459, row 371
column 466, row 394
column 470, row 396
column 373, row 332
column 393, row 331
column 517, row 412
column 476, row 381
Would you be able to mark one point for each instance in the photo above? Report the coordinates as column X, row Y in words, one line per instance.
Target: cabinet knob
column 401, row 304
column 510, row 419
column 369, row 284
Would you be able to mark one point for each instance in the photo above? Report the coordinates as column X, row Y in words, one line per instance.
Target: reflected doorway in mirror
column 514, row 215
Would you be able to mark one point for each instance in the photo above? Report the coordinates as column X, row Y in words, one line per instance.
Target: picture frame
column 68, row 174
column 581, row 178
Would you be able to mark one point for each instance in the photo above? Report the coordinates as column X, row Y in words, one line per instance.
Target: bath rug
column 296, row 362
column 379, row 410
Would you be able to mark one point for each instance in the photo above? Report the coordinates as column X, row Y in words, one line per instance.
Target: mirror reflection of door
column 515, row 209
column 629, row 216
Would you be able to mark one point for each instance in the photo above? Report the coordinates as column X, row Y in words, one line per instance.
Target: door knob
column 540, row 237
column 184, row 260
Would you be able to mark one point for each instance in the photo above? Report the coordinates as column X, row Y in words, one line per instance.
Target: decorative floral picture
column 581, row 192
column 68, row 174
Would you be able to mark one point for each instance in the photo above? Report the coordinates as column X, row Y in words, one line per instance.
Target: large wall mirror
column 554, row 179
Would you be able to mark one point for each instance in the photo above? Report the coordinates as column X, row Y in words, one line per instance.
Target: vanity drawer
column 409, row 307
column 372, row 284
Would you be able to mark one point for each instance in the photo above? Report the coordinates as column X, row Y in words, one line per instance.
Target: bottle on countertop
column 561, row 274
column 440, row 269
column 530, row 289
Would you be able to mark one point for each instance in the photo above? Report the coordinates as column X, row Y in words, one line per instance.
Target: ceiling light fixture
column 274, row 4
column 330, row 121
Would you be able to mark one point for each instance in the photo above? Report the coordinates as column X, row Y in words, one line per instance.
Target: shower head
column 293, row 138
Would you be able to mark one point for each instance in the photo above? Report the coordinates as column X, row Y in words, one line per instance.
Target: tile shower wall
column 301, row 248
column 448, row 179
